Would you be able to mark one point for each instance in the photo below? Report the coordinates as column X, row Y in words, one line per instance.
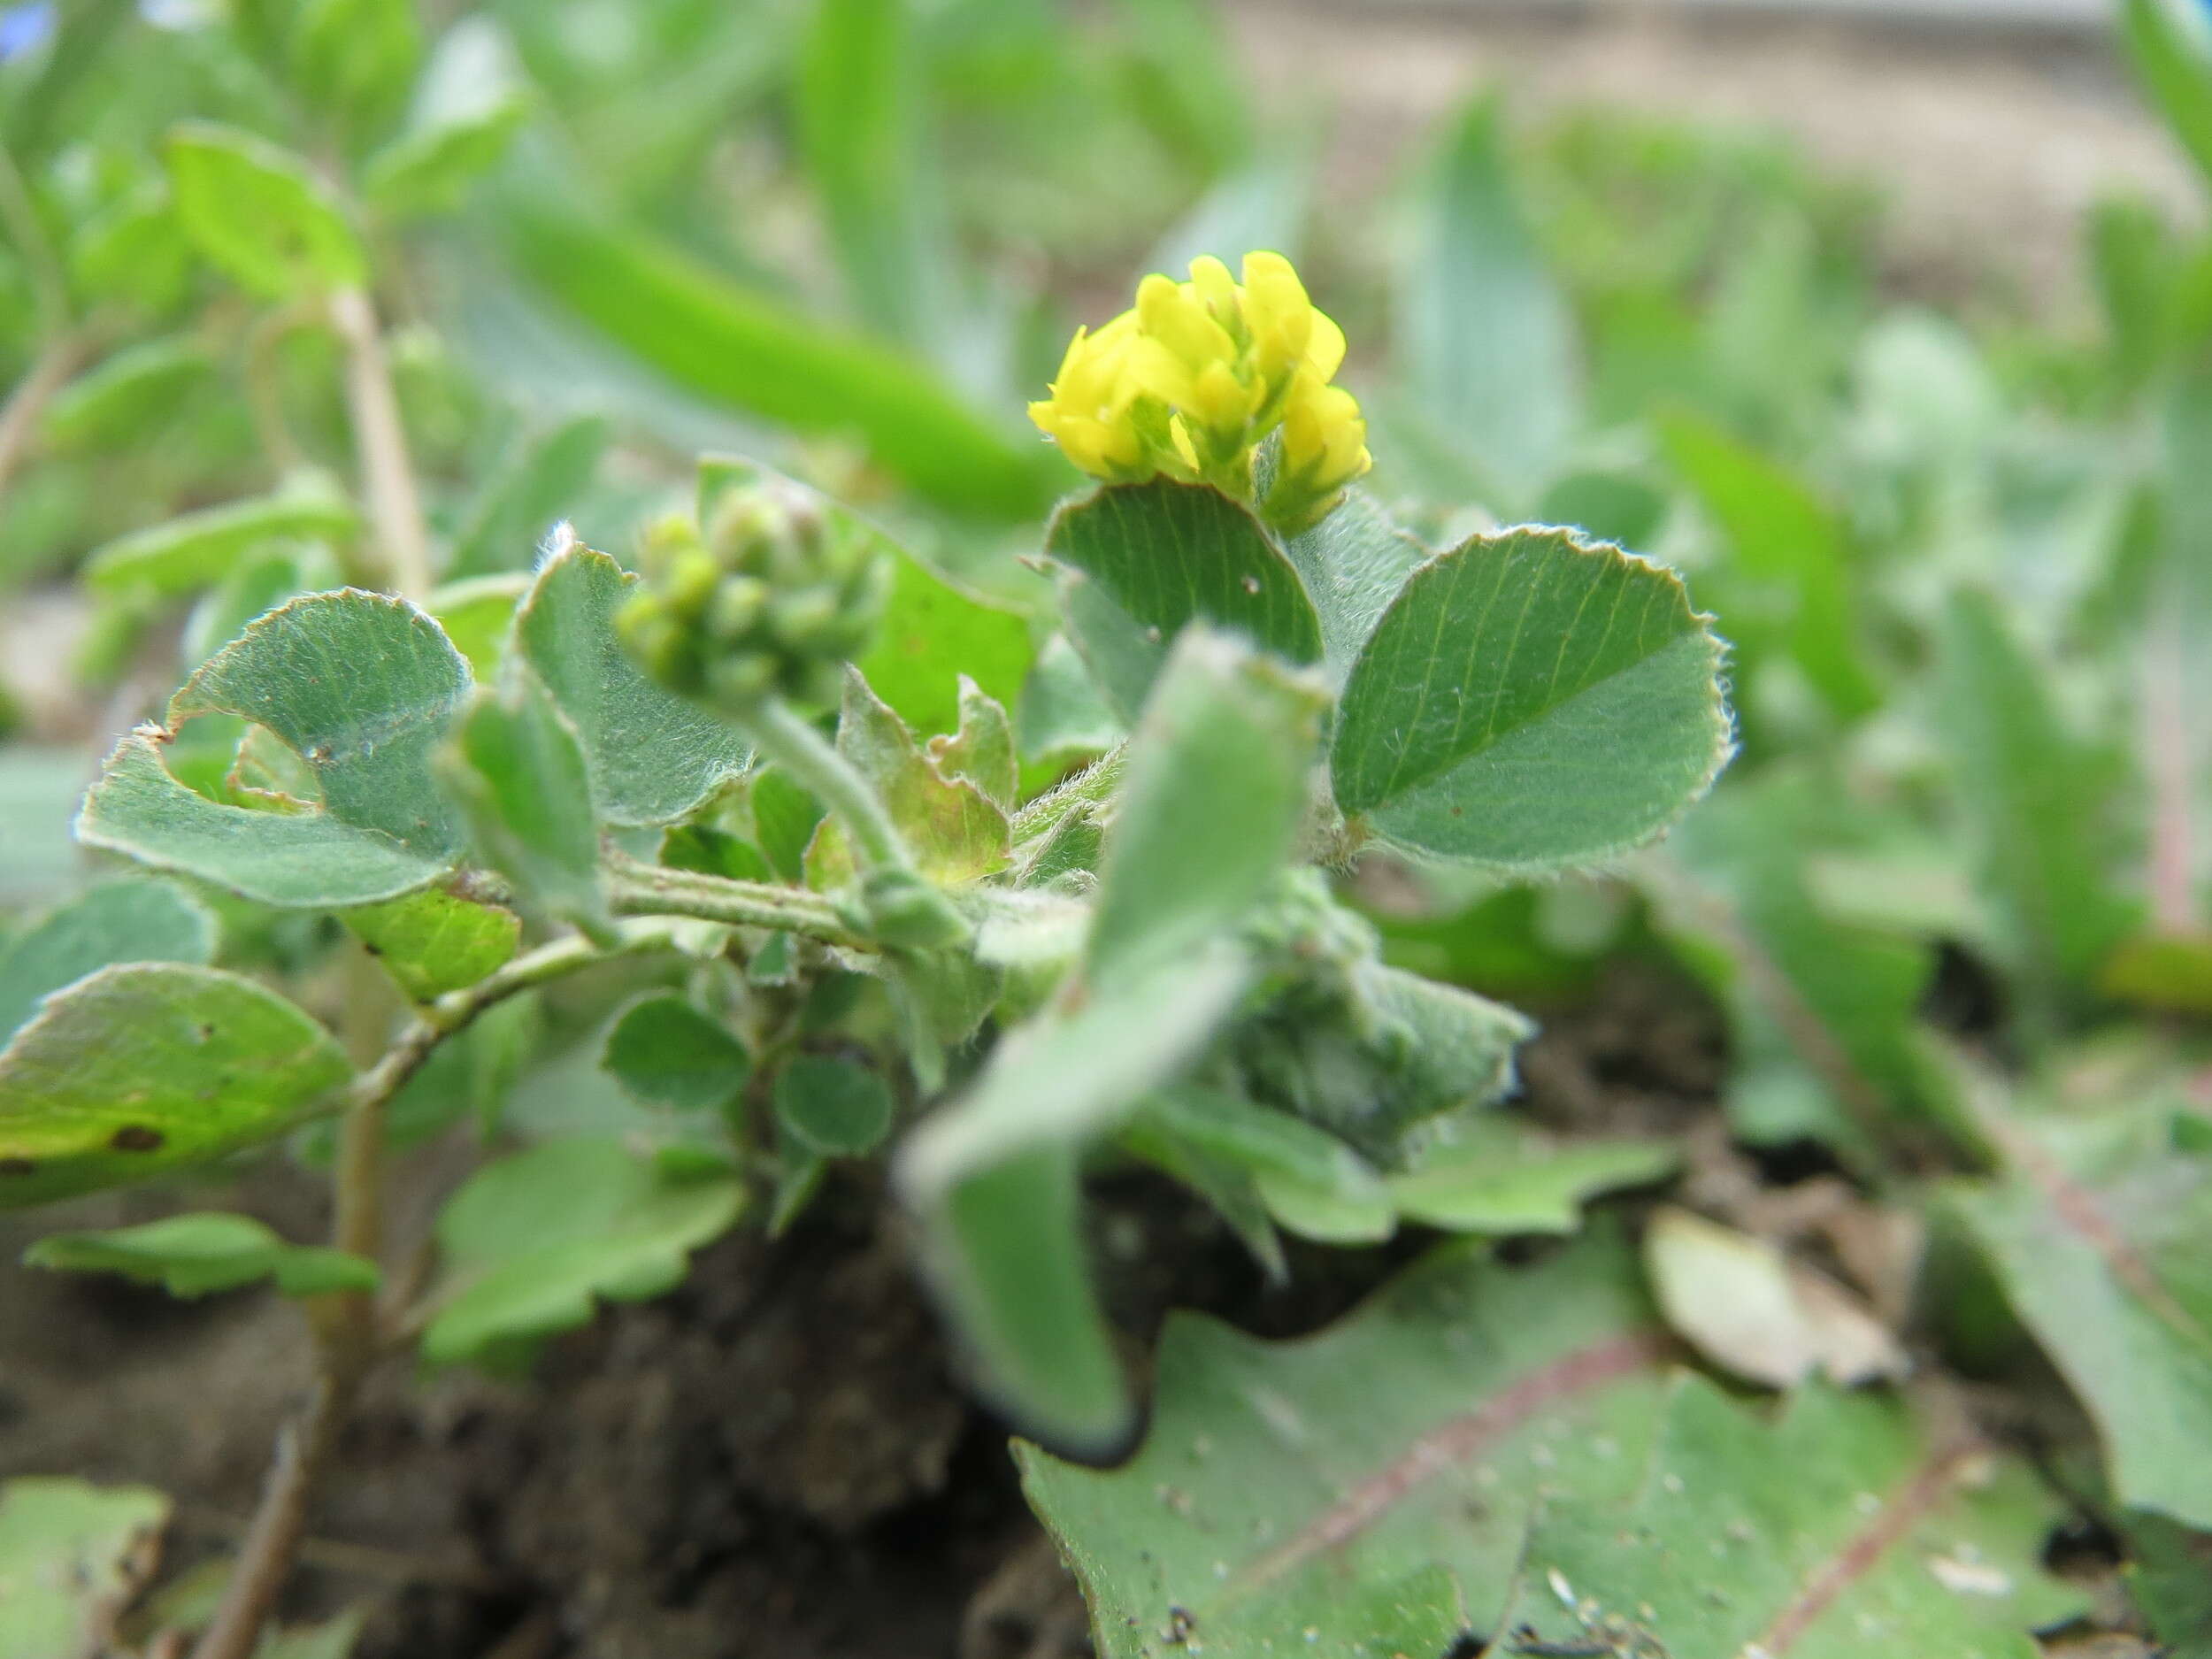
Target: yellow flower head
column 1192, row 380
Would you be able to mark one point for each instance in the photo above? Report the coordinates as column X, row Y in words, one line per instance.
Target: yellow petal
column 1324, row 350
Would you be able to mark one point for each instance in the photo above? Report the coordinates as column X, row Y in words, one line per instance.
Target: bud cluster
column 771, row 596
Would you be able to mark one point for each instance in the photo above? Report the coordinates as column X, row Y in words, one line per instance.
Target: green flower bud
column 771, row 596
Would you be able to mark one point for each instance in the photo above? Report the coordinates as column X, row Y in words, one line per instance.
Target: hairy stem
column 785, row 737
column 347, row 1326
column 643, row 890
column 380, row 441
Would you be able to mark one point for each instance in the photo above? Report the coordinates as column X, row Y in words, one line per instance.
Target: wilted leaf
column 146, row 1066
column 71, row 1555
column 1751, row 1310
column 981, row 750
column 1530, row 703
column 195, row 1255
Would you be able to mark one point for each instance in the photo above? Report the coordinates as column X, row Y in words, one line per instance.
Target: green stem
column 641, row 889
column 784, row 736
column 347, row 1326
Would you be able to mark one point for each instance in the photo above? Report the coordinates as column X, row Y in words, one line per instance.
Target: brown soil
column 776, row 1460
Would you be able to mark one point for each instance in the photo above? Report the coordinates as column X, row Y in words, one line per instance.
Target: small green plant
column 1142, row 952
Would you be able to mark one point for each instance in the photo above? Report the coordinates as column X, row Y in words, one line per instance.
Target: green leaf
column 664, row 1052
column 429, row 169
column 2100, row 1238
column 864, row 144
column 144, row 1067
column 1168, row 555
column 1825, row 1015
column 354, row 60
column 71, row 1554
column 981, row 751
column 127, row 392
column 746, row 350
column 1353, row 564
column 1302, row 1174
column 1837, row 1530
column 956, row 832
column 518, row 772
column 195, row 1255
column 532, row 1241
column 197, row 550
column 832, row 1107
column 2173, row 58
column 477, row 615
column 2169, row 1579
column 1531, row 702
column 653, row 758
column 1484, row 341
column 1790, row 585
column 117, row 921
column 934, row 631
column 1063, row 718
column 1363, row 1490
column 1214, row 789
column 526, row 495
column 1119, row 656
column 362, row 688
column 435, row 941
column 1498, row 1178
column 993, row 1179
column 260, row 213
column 2031, row 796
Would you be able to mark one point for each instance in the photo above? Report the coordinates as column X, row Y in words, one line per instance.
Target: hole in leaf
column 136, row 1138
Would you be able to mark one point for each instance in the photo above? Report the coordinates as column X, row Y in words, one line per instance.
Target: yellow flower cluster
column 1193, row 379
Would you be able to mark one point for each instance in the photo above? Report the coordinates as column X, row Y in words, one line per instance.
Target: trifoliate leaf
column 956, row 832
column 1353, row 563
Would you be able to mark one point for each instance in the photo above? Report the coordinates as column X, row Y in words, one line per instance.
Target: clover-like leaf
column 519, row 773
column 1839, row 1528
column 434, row 941
column 197, row 1254
column 1530, row 702
column 1366, row 1490
column 532, row 1242
column 1168, row 555
column 665, row 1052
column 144, row 1067
column 362, row 688
column 652, row 756
column 260, row 213
column 955, row 830
column 834, row 1108
column 117, row 921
